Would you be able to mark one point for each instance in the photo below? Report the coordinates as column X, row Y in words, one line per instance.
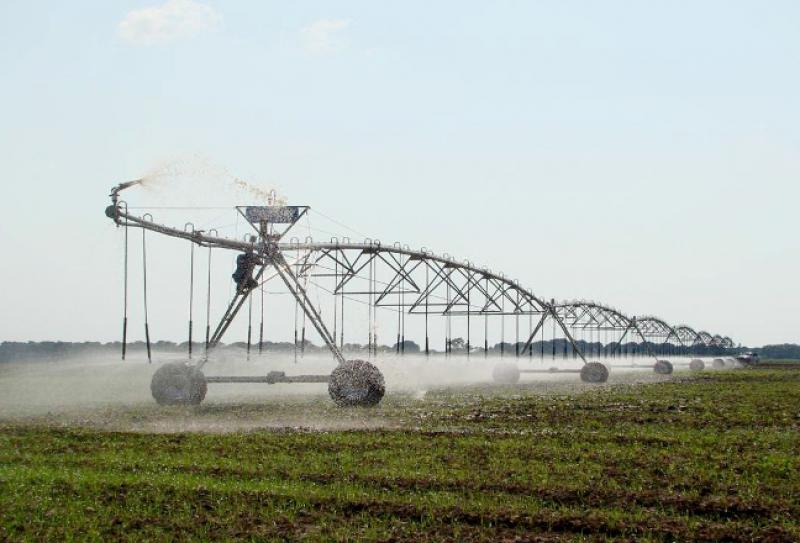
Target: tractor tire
column 356, row 383
column 506, row 373
column 177, row 383
column 662, row 367
column 594, row 372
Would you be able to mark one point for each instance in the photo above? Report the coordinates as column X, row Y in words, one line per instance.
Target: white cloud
column 323, row 36
column 173, row 20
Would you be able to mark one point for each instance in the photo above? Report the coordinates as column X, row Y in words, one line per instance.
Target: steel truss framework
column 649, row 329
column 415, row 282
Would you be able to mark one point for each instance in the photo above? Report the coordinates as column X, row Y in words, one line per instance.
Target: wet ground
column 709, row 456
column 114, row 395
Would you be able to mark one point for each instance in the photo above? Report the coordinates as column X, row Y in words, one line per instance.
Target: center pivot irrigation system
column 408, row 282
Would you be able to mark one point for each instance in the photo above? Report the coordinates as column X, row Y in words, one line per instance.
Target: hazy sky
column 643, row 154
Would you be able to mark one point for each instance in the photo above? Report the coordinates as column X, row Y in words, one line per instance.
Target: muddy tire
column 662, row 367
column 356, row 383
column 718, row 364
column 594, row 372
column 177, row 383
column 697, row 365
column 506, row 373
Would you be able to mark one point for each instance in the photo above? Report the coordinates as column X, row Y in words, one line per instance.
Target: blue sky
column 644, row 154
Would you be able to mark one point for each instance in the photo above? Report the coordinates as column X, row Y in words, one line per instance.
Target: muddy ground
column 114, row 395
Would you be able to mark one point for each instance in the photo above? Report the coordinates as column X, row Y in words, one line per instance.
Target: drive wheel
column 662, row 367
column 177, row 383
column 697, row 365
column 356, row 383
column 506, row 373
column 594, row 372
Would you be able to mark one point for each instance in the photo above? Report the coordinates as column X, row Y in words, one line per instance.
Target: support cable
column 530, row 331
column 403, row 311
column 399, row 317
column 373, row 340
column 261, row 325
column 208, row 301
column 144, row 277
column 516, row 321
column 503, row 325
column 296, row 307
column 447, row 344
column 335, row 300
column 249, row 324
column 486, row 323
column 542, row 346
column 125, row 296
column 375, row 323
column 341, row 323
column 469, row 310
column 191, row 295
column 427, row 283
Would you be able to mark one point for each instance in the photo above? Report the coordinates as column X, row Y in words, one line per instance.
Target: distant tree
column 54, row 350
column 504, row 346
column 458, row 344
column 407, row 346
column 783, row 350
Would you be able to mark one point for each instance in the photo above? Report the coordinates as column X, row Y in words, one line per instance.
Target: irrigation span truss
column 410, row 282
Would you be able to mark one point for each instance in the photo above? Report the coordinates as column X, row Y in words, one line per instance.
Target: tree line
column 52, row 350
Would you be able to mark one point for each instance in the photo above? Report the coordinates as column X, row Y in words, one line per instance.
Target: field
column 712, row 456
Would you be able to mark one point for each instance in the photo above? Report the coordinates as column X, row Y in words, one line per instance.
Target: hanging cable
column 503, row 322
column 603, row 342
column 208, row 296
column 305, row 287
column 296, row 306
column 530, row 332
column 125, row 294
column 303, row 337
column 341, row 323
column 542, row 347
column 584, row 344
column 403, row 311
column 447, row 344
column 191, row 290
column 335, row 304
column 486, row 322
column 516, row 320
column 374, row 328
column 144, row 276
column 249, row 324
column 624, row 348
column 370, row 309
column 469, row 310
column 399, row 313
column 427, row 283
column 261, row 325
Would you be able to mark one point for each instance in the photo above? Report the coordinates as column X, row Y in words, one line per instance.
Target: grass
column 711, row 457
